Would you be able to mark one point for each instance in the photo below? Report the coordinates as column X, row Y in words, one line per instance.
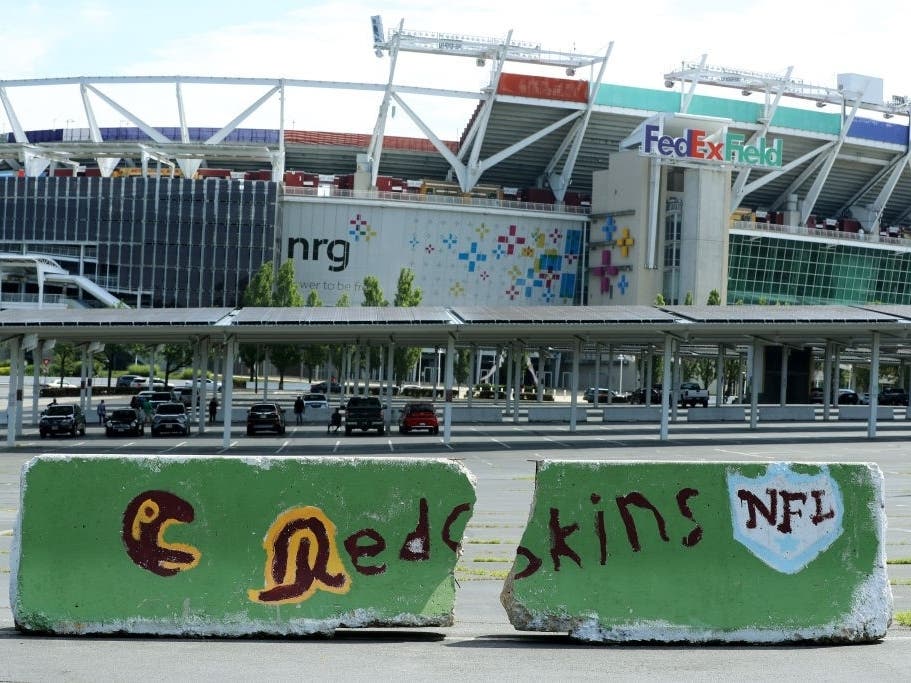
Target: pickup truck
column 364, row 413
column 691, row 394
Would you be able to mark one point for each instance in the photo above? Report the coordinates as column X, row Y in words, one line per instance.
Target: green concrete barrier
column 235, row 546
column 700, row 552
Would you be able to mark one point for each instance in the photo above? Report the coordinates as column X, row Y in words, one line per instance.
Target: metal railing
column 329, row 192
column 838, row 235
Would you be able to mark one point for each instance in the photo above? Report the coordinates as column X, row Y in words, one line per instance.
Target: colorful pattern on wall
column 607, row 269
column 477, row 258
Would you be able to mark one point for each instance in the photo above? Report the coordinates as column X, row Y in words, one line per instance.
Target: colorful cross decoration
column 450, row 241
column 609, row 228
column 457, row 289
column 482, row 230
column 510, row 240
column 414, row 242
column 624, row 242
column 360, row 228
column 608, row 270
column 472, row 256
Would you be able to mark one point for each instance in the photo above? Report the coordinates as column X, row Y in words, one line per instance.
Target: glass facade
column 764, row 269
column 163, row 242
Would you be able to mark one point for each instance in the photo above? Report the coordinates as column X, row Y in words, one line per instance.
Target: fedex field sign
column 732, row 148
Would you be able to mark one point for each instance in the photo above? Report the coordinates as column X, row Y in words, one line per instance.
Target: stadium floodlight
column 669, row 83
column 746, row 93
column 821, row 103
column 570, row 71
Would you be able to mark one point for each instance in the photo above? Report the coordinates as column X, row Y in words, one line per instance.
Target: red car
column 419, row 415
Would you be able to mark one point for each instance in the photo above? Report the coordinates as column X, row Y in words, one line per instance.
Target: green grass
column 484, row 541
column 903, row 618
column 900, row 582
column 466, row 574
column 899, row 560
column 504, row 560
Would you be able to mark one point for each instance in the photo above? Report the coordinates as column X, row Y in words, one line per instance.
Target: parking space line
column 337, row 444
column 230, row 446
column 178, row 445
column 283, row 446
column 500, row 442
column 391, row 449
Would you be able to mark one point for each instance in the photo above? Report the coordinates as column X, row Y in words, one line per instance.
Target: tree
column 285, row 294
column 176, row 356
column 313, row 355
column 64, row 362
column 659, row 300
column 406, row 294
column 462, row 366
column 343, row 301
column 373, row 293
column 688, row 299
column 257, row 293
column 714, row 298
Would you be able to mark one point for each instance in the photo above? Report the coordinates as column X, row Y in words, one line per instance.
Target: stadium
column 560, row 191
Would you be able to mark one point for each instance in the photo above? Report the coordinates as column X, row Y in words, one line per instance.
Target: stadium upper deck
column 858, row 161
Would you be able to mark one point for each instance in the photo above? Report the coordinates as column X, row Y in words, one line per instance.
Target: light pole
column 622, row 359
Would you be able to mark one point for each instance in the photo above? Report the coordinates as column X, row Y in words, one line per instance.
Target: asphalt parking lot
column 481, row 642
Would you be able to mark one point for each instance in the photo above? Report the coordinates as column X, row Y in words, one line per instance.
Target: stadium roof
column 527, row 132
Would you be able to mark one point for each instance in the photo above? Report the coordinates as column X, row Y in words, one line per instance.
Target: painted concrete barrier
column 716, row 414
column 787, row 413
column 734, row 552
column 478, row 414
column 556, row 413
column 623, row 413
column 235, row 546
column 863, row 413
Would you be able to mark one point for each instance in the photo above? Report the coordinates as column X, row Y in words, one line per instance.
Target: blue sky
column 331, row 41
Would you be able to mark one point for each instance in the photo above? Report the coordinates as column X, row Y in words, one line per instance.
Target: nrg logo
column 336, row 251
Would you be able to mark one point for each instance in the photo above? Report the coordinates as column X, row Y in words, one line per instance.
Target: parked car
column 326, row 388
column 126, row 381
column 317, row 401
column 158, row 398
column 124, row 421
column 419, row 415
column 140, row 382
column 604, row 395
column 171, row 418
column 61, row 419
column 211, row 385
column 638, row 396
column 893, row 396
column 265, row 417
column 136, row 401
column 845, row 396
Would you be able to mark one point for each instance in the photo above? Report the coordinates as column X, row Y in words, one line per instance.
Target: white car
column 317, row 401
column 211, row 385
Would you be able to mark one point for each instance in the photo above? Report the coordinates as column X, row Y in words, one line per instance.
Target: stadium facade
column 560, row 191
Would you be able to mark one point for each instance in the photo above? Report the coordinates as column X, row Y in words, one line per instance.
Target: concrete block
column 716, row 414
column 556, row 413
column 476, row 414
column 622, row 413
column 863, row 413
column 214, row 546
column 787, row 413
column 703, row 552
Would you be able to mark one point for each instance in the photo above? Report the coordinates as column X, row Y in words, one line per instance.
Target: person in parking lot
column 102, row 412
column 335, row 420
column 299, row 408
column 213, row 408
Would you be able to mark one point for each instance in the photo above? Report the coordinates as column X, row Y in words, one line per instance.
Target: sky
column 332, row 41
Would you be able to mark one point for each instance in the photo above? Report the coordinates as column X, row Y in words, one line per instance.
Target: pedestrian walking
column 213, row 408
column 299, row 408
column 102, row 412
column 335, row 420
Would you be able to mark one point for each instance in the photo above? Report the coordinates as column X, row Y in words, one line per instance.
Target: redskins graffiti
column 301, row 557
column 146, row 519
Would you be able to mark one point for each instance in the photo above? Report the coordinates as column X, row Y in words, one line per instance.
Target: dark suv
column 170, row 417
column 893, row 396
column 59, row 419
column 265, row 416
